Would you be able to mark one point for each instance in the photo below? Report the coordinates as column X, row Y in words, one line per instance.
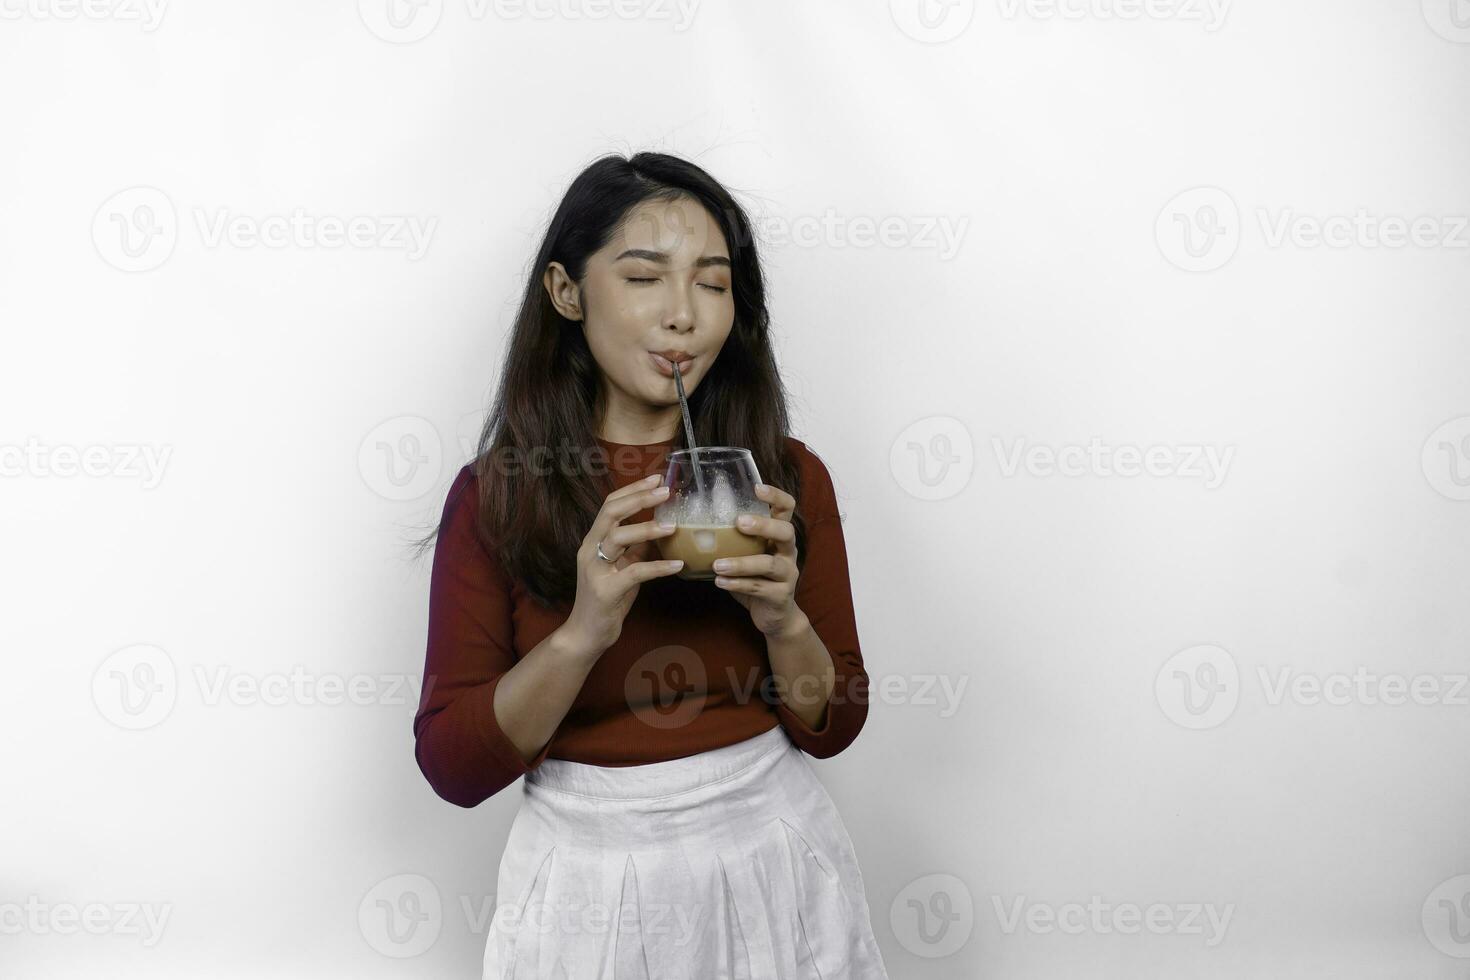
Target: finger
column 637, row 486
column 765, row 566
column 783, row 505
column 616, row 511
column 635, row 552
column 625, row 535
column 774, row 528
column 642, row 571
column 762, row 587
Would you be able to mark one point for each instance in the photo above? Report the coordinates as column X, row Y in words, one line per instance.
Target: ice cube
column 695, row 510
column 723, row 501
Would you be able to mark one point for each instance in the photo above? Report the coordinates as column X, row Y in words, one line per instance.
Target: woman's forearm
column 802, row 670
column 534, row 696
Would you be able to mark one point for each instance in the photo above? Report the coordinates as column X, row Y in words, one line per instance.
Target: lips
column 663, row 362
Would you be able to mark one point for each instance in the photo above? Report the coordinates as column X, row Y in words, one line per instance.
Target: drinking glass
column 709, row 488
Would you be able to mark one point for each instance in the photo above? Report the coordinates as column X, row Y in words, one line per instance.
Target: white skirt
column 731, row 863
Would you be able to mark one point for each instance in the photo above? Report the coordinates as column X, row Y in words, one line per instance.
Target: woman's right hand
column 606, row 589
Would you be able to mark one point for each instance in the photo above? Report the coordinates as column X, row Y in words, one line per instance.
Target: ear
column 564, row 292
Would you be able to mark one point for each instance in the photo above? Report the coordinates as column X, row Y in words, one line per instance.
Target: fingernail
column 661, row 492
column 746, row 521
column 667, row 525
column 723, row 565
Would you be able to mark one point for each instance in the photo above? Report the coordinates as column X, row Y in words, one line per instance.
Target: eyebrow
column 663, row 258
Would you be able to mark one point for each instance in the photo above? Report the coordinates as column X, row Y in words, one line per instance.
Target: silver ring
column 601, row 555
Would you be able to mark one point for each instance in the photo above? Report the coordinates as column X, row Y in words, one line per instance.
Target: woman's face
column 661, row 284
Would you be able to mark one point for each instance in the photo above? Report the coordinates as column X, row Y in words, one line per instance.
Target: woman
column 670, row 825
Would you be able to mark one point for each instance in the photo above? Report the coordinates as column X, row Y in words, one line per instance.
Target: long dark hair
column 533, row 518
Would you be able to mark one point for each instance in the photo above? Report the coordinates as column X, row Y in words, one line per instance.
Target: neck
column 638, row 425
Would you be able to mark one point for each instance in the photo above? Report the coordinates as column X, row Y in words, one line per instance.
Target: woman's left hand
column 766, row 584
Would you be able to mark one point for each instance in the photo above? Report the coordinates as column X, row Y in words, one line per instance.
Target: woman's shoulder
column 462, row 500
column 818, row 495
column 464, row 485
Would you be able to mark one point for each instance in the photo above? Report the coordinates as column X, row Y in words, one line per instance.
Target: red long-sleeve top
column 693, row 637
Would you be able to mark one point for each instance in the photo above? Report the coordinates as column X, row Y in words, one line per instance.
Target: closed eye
column 715, row 289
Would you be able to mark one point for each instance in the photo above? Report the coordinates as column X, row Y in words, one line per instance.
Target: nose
column 680, row 314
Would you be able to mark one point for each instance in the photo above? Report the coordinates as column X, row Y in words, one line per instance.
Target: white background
column 1117, row 183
